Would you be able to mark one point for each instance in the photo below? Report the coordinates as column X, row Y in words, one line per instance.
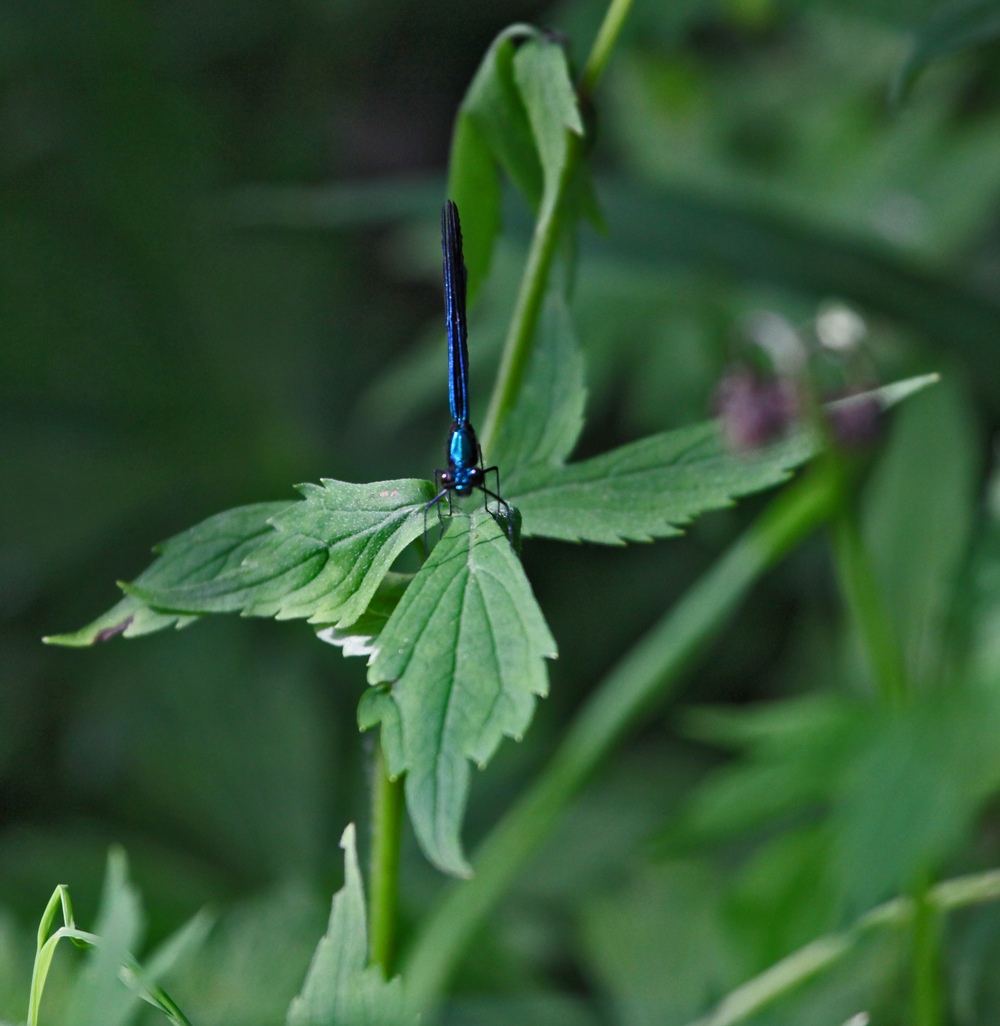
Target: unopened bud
column 754, row 411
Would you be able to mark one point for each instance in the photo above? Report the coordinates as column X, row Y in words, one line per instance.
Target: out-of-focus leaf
column 99, row 998
column 954, row 27
column 464, row 652
column 652, row 226
column 647, row 489
column 542, row 77
column 920, row 501
column 659, row 947
column 336, row 206
column 254, row 961
column 906, row 799
column 341, row 989
column 547, row 420
column 321, row 558
column 794, row 749
column 897, row 787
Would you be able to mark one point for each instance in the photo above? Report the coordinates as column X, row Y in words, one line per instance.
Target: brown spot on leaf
column 109, row 632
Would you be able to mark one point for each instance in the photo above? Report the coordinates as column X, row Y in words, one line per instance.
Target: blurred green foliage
column 194, row 317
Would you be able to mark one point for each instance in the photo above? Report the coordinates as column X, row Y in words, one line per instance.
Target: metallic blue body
column 465, row 459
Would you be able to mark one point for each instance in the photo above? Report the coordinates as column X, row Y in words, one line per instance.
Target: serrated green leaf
column 649, row 488
column 130, row 618
column 320, row 559
column 954, row 28
column 358, row 638
column 548, row 417
column 544, row 82
column 341, row 989
column 203, row 551
column 464, row 652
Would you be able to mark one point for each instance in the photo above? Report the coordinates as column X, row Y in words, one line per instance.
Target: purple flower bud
column 753, row 410
column 854, row 420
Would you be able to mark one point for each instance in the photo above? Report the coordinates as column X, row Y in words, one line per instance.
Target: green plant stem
column 927, row 992
column 387, row 820
column 600, row 52
column 534, row 280
column 863, row 598
column 642, row 678
column 531, row 292
column 824, row 952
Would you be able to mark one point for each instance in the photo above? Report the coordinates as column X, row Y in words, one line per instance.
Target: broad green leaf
column 464, row 653
column 543, row 79
column 909, row 795
column 547, row 420
column 341, row 989
column 358, row 638
column 955, row 27
column 321, row 558
column 647, row 489
column 658, row 946
column 920, row 500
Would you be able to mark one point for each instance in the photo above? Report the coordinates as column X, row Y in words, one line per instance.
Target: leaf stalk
column 544, row 240
column 387, row 821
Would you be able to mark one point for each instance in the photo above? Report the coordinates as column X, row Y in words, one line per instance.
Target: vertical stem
column 531, row 292
column 387, row 819
column 517, row 346
column 863, row 598
column 606, row 38
column 641, row 679
column 927, row 995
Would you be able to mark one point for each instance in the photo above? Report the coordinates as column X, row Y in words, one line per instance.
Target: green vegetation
column 776, row 213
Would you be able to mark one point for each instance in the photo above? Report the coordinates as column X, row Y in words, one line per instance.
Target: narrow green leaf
column 543, row 79
column 649, row 488
column 547, row 420
column 953, row 28
column 464, row 652
column 341, row 989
